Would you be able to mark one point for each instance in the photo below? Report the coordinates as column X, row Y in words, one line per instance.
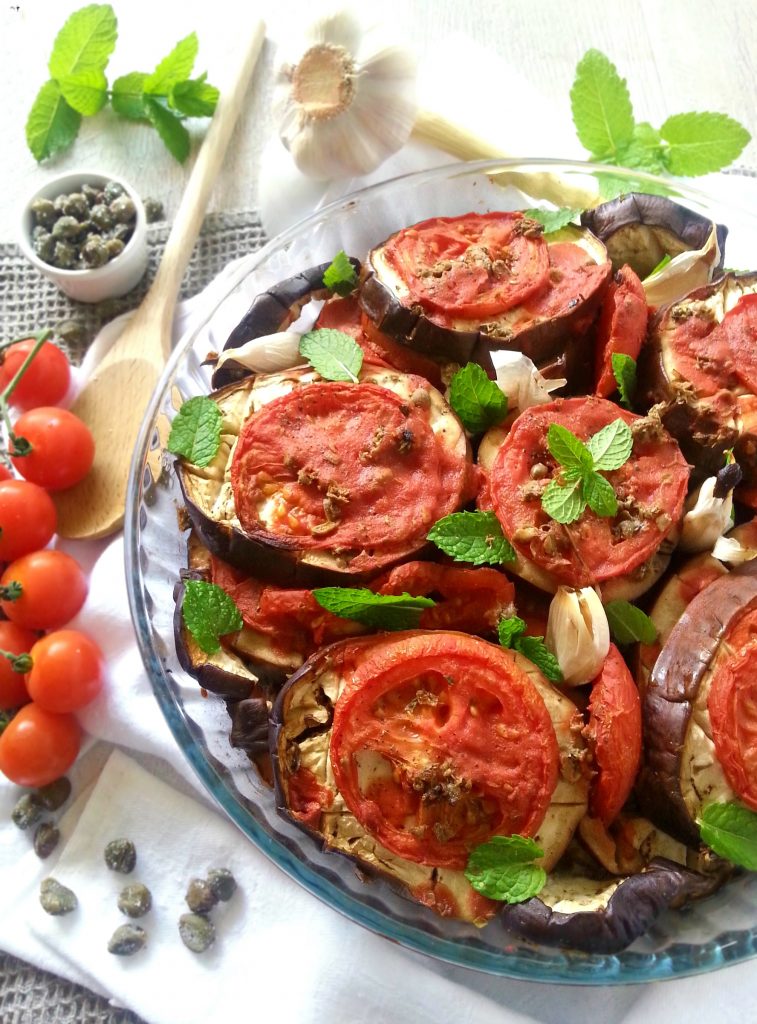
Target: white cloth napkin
column 280, row 953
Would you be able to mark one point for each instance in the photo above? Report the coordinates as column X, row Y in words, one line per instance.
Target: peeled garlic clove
column 686, row 271
column 578, row 634
column 267, row 354
column 519, row 379
column 732, row 551
column 709, row 511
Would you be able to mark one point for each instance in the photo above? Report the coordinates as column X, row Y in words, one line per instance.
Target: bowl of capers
column 87, row 232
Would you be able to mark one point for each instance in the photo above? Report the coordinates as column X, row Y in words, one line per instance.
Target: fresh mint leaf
column 52, row 124
column 731, row 831
column 552, row 220
column 174, row 68
column 508, row 630
column 85, row 42
column 340, row 276
column 380, row 611
column 333, row 354
column 563, row 502
column 611, row 446
column 196, row 431
column 629, row 624
column 534, row 648
column 624, row 371
column 503, row 869
column 567, row 449
column 660, row 266
column 599, row 495
column 601, row 106
column 701, row 143
column 479, row 402
column 195, row 97
column 86, row 91
column 611, row 186
column 645, row 150
column 474, row 537
column 209, row 613
column 173, row 133
column 127, row 96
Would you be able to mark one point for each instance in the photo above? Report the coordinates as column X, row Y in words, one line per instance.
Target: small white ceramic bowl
column 116, row 277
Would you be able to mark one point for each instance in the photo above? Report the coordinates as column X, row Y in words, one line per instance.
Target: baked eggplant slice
column 350, row 770
column 319, row 482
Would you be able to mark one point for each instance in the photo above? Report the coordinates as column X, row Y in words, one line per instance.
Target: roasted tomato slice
column 614, row 730
column 740, row 327
column 440, row 742
column 650, row 487
column 732, row 704
column 474, row 266
column 622, row 327
column 697, row 349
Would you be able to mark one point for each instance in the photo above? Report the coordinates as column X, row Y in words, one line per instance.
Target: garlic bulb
column 732, row 551
column 344, row 99
column 518, row 377
column 707, row 518
column 578, row 634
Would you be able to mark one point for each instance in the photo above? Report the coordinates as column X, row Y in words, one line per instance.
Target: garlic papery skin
column 686, row 271
column 344, row 100
column 267, row 354
column 732, row 551
column 707, row 518
column 518, row 377
column 578, row 634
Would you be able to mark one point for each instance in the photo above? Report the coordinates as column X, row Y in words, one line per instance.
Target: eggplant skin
column 272, row 311
column 633, row 907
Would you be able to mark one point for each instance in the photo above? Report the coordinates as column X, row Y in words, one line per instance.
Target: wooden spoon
column 113, row 401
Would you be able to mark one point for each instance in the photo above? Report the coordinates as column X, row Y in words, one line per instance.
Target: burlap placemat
column 29, row 302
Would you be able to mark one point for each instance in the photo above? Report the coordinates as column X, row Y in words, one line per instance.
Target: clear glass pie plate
column 703, row 937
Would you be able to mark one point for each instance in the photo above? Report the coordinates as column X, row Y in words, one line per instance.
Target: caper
column 114, row 247
column 27, row 812
column 127, row 940
column 112, row 191
column 66, row 227
column 75, row 205
column 123, row 232
column 54, row 794
column 44, row 246
column 123, row 210
column 121, row 856
column 94, row 252
column 39, row 231
column 58, row 203
column 46, row 838
column 200, row 898
column 222, row 882
column 197, row 932
column 44, row 212
column 64, row 256
column 92, row 194
column 56, row 899
column 135, row 900
column 101, row 216
column 72, row 333
column 153, row 210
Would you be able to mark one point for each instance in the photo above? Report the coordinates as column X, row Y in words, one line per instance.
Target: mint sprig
column 333, row 354
column 503, row 869
column 209, row 613
column 379, row 611
column 730, row 829
column 552, row 220
column 340, row 276
column 580, row 484
column 510, row 632
column 196, row 431
column 629, row 624
column 478, row 402
column 474, row 537
column 624, row 371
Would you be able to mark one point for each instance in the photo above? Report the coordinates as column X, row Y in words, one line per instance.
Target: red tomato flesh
column 27, row 518
column 62, row 448
column 740, row 327
column 732, row 704
column 16, row 640
column 53, row 589
column 67, row 671
column 622, row 327
column 37, row 747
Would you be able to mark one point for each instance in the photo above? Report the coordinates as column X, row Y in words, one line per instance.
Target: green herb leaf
column 479, row 402
column 534, row 648
column 196, row 431
column 599, row 495
column 174, row 68
column 611, row 446
column 508, row 630
column 563, row 502
column 567, row 449
column 85, row 42
column 86, row 91
column 660, row 266
column 52, row 124
column 611, row 186
column 127, row 96
column 381, row 611
column 173, row 133
column 340, row 276
column 209, row 613
column 552, row 220
column 601, row 106
column 503, row 869
column 624, row 371
column 474, row 537
column 701, row 143
column 731, row 830
column 629, row 624
column 333, row 354
column 195, row 97
column 645, row 150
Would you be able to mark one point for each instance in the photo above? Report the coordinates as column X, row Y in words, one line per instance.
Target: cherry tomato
column 67, row 671
column 38, row 747
column 27, row 518
column 13, row 638
column 53, row 589
column 62, row 448
column 45, row 380
column 5, row 473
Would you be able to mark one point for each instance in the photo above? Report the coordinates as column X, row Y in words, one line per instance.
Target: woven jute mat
column 29, row 302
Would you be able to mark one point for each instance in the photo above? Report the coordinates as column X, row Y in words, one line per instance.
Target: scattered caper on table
column 222, row 882
column 27, row 811
column 56, row 899
column 135, row 900
column 200, row 897
column 46, row 838
column 127, row 940
column 54, row 794
column 197, row 932
column 121, row 856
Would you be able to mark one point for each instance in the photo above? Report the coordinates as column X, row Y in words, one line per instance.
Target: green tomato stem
column 21, row 663
column 12, row 384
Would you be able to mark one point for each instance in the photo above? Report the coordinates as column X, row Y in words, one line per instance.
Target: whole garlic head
column 578, row 634
column 344, row 98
